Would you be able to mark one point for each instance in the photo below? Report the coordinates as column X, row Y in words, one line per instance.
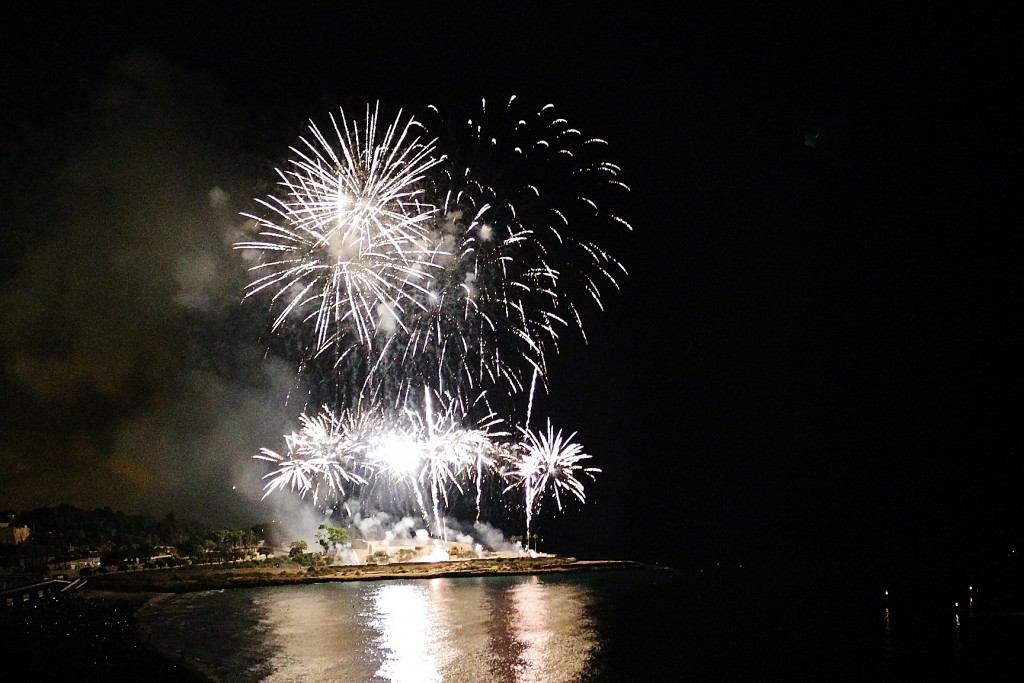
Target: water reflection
column 927, row 628
column 503, row 629
column 412, row 633
column 311, row 634
column 551, row 624
column 539, row 632
column 523, row 631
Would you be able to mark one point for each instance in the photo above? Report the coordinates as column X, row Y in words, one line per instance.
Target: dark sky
column 816, row 342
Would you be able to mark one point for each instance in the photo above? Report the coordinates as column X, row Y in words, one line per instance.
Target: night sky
column 816, row 345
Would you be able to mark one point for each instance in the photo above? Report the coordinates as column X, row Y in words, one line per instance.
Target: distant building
column 411, row 550
column 13, row 533
column 75, row 563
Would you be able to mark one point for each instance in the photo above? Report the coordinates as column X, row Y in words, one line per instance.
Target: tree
column 297, row 548
column 330, row 537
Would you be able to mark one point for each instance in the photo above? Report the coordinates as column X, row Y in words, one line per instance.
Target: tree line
column 66, row 531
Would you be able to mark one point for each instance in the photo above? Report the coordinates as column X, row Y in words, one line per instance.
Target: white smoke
column 119, row 324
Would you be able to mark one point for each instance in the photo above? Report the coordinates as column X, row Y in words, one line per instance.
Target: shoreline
column 191, row 579
column 93, row 633
column 119, row 598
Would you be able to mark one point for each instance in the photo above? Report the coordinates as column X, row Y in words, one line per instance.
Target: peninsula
column 189, row 579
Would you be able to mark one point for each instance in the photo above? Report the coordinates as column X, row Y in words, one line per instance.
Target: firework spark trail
column 518, row 210
column 347, row 244
column 452, row 264
column 376, row 455
column 324, row 448
column 547, row 460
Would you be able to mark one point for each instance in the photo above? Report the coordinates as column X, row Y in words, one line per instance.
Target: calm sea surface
column 647, row 625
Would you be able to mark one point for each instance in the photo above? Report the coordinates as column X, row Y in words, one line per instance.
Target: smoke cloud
column 137, row 377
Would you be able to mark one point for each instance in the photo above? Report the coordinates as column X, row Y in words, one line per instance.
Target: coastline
column 94, row 633
column 189, row 579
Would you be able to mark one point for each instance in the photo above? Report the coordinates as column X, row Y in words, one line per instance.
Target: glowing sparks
column 547, row 461
column 436, row 266
column 373, row 455
column 347, row 239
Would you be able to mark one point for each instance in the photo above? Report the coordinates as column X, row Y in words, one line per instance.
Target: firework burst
column 521, row 231
column 547, row 461
column 435, row 266
column 397, row 459
column 346, row 241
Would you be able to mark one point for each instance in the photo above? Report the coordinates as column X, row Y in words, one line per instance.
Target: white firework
column 325, row 449
column 451, row 259
column 520, row 231
column 383, row 457
column 347, row 242
column 547, row 461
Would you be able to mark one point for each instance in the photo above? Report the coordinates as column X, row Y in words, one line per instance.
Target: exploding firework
column 389, row 458
column 347, row 235
column 547, row 461
column 435, row 266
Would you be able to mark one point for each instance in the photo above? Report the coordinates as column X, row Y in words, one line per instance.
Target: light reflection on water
column 409, row 623
column 502, row 629
column 587, row 627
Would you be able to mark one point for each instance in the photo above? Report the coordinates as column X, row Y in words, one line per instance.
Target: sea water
column 647, row 625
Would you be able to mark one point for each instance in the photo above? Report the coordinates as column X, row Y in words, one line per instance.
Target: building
column 13, row 533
